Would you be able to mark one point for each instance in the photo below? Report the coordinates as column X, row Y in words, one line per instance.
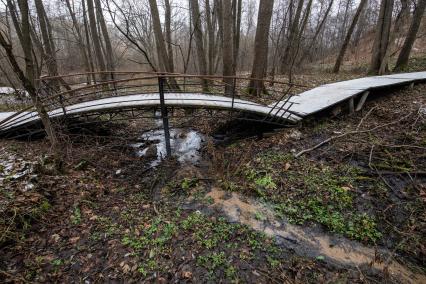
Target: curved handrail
column 215, row 81
column 172, row 75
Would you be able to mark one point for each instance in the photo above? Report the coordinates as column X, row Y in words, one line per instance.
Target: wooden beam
column 351, row 105
column 362, row 100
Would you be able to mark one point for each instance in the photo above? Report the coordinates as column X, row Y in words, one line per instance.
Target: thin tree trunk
column 404, row 55
column 49, row 51
column 14, row 16
column 400, row 21
column 345, row 44
column 159, row 38
column 293, row 33
column 219, row 36
column 96, row 40
column 305, row 20
column 227, row 55
column 236, row 34
column 260, row 62
column 26, row 41
column 161, row 46
column 345, row 20
column 88, row 45
column 79, row 39
column 211, row 39
column 168, row 21
column 300, row 36
column 37, row 66
column 198, row 34
column 361, row 26
column 108, row 47
column 318, row 31
column 381, row 41
column 29, row 87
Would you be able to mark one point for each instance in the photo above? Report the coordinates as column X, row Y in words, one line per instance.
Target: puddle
column 308, row 242
column 14, row 168
column 185, row 144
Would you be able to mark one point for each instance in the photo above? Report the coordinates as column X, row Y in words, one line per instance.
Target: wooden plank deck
column 301, row 105
column 322, row 97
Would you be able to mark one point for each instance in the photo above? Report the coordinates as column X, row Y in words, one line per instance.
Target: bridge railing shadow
column 90, row 86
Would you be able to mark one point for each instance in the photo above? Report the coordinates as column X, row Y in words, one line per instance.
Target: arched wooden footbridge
column 131, row 91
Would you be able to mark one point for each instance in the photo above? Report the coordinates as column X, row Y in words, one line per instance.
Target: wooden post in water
column 164, row 116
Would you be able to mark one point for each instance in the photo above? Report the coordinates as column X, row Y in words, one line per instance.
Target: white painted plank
column 324, row 96
column 306, row 103
column 152, row 100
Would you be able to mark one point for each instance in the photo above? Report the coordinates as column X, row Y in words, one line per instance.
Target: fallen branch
column 350, row 133
column 364, row 117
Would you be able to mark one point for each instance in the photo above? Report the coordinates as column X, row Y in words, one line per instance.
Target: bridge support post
column 351, row 105
column 164, row 116
column 362, row 100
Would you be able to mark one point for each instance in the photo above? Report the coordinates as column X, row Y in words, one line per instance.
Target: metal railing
column 274, row 95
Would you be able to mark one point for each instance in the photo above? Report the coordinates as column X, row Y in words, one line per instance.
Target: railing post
column 164, row 116
column 234, row 85
column 61, row 101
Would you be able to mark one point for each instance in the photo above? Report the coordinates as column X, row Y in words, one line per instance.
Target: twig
column 362, row 119
column 155, row 208
column 4, row 235
column 349, row 133
column 15, row 278
column 371, row 156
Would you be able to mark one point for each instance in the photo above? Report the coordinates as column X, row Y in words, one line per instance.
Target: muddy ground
column 350, row 210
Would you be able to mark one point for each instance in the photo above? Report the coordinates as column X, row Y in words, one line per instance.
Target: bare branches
column 351, row 133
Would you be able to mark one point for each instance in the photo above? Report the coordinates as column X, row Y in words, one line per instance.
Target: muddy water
column 310, row 242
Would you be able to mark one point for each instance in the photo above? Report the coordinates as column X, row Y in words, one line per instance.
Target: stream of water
column 185, row 144
column 310, row 242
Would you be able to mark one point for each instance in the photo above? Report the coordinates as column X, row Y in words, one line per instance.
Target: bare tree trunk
column 37, row 43
column 96, row 40
column 318, row 31
column 399, row 23
column 227, row 45
column 293, row 34
column 236, row 33
column 49, row 50
column 29, row 87
column 168, row 20
column 108, row 47
column 14, row 16
column 345, row 44
column 219, row 36
column 159, row 38
column 26, row 41
column 305, row 20
column 79, row 39
column 299, row 38
column 161, row 46
column 404, row 55
column 260, row 62
column 381, row 41
column 345, row 20
column 211, row 39
column 87, row 35
column 198, row 33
